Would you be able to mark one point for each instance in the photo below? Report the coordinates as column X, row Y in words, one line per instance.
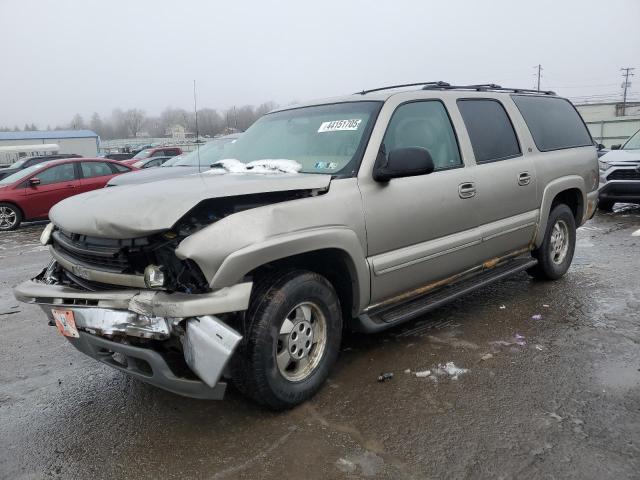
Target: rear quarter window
column 553, row 122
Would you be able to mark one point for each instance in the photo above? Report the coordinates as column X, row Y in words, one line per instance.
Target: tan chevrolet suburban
column 359, row 212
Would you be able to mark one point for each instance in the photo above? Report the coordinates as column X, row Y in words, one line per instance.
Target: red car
column 153, row 152
column 29, row 193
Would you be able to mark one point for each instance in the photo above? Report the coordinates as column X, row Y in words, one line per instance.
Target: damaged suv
column 359, row 212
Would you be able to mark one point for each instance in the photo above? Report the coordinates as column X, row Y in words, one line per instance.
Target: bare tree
column 77, row 122
column 133, row 120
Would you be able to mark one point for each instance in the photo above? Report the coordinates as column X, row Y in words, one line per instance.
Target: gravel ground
column 550, row 388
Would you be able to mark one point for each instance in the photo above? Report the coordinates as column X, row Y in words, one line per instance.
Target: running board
column 387, row 317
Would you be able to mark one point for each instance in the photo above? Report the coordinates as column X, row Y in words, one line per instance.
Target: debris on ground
column 555, row 416
column 450, row 369
column 545, row 305
column 502, row 307
column 537, row 316
column 423, row 373
column 539, row 348
column 385, row 376
column 519, row 340
column 408, row 370
column 486, row 356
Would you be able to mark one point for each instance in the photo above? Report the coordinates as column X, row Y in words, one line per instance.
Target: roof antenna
column 195, row 111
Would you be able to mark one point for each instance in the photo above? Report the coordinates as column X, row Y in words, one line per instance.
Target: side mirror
column 600, row 146
column 616, row 147
column 34, row 182
column 404, row 162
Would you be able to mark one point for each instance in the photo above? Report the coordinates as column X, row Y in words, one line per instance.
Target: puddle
column 620, row 377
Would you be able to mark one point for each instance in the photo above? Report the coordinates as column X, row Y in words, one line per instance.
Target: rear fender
column 552, row 189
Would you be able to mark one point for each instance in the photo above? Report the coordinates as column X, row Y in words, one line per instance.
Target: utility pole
column 539, row 74
column 625, row 85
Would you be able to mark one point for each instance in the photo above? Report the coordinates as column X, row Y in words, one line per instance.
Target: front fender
column 552, row 189
column 239, row 263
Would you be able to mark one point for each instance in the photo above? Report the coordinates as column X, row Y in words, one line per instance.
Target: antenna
column 195, row 111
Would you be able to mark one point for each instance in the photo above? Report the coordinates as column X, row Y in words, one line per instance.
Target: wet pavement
column 551, row 390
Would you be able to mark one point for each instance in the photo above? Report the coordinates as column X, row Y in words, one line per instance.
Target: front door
column 55, row 183
column 420, row 229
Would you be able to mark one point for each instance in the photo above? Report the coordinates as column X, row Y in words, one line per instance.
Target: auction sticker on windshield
column 340, row 125
column 65, row 322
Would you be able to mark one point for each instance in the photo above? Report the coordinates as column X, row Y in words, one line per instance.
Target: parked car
column 154, row 152
column 118, row 156
column 620, row 174
column 151, row 162
column 29, row 194
column 362, row 212
column 28, row 162
column 189, row 163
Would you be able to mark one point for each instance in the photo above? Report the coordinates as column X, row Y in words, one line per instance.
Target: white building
column 608, row 123
column 82, row 142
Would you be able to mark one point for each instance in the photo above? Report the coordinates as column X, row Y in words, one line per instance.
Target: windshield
column 19, row 163
column 22, row 174
column 326, row 139
column 143, row 154
column 633, row 143
column 209, row 153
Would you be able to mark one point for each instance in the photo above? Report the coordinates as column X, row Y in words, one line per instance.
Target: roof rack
column 440, row 85
column 486, row 87
column 424, row 84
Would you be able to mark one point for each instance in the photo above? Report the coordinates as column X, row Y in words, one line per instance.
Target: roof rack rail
column 484, row 87
column 425, row 84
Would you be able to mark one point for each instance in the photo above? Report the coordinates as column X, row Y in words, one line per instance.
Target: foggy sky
column 64, row 57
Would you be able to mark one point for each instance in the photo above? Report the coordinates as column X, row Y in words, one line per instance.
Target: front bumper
column 620, row 183
column 620, row 191
column 132, row 323
column 146, row 365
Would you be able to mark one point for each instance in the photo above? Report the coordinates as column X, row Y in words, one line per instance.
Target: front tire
column 293, row 329
column 10, row 217
column 556, row 252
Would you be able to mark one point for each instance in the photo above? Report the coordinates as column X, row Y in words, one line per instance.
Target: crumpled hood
column 152, row 175
column 132, row 211
column 615, row 156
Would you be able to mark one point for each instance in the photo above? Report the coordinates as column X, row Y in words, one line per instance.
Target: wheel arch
column 335, row 253
column 568, row 190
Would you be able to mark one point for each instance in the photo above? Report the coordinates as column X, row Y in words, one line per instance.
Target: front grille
column 102, row 254
column 626, row 174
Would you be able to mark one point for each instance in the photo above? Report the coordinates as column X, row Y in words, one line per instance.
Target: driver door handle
column 467, row 190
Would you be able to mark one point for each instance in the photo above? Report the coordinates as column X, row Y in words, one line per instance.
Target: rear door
column 94, row 175
column 507, row 205
column 56, row 183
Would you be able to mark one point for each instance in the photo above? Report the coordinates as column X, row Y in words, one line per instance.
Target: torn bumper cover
column 207, row 342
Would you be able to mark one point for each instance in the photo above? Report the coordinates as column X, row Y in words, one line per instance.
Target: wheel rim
column 8, row 218
column 302, row 340
column 559, row 241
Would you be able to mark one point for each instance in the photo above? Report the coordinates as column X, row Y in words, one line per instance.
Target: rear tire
column 10, row 217
column 606, row 205
column 556, row 252
column 292, row 335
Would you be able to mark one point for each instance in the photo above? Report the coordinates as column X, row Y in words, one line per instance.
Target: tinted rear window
column 553, row 122
column 490, row 130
